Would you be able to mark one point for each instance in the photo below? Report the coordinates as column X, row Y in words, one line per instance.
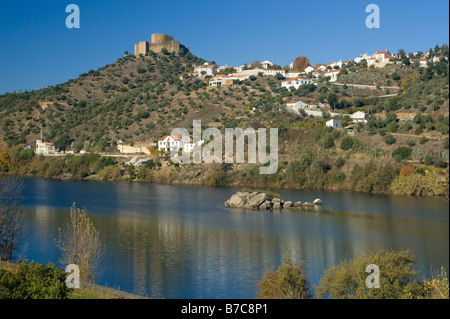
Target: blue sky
column 36, row 48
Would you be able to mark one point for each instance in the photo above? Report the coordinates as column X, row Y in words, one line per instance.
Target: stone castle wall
column 159, row 41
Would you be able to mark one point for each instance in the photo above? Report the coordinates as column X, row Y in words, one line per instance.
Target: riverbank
column 378, row 177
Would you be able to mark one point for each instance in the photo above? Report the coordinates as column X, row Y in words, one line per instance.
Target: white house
column 172, row 142
column 44, row 147
column 292, row 74
column 296, row 82
column 438, row 58
column 209, row 69
column 422, row 62
column 221, row 80
column 266, row 64
column 297, row 105
column 335, row 123
column 189, row 146
column 359, row 117
column 273, row 72
column 382, row 56
column 333, row 74
column 309, row 69
column 363, row 56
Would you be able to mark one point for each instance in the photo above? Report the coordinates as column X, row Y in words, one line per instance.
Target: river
column 168, row 241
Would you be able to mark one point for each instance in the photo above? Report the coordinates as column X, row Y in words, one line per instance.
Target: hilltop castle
column 159, row 41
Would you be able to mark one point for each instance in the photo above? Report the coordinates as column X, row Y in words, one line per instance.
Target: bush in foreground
column 348, row 279
column 33, row 281
column 286, row 282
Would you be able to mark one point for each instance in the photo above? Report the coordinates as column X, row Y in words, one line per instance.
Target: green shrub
column 286, row 282
column 339, row 162
column 417, row 185
column 389, row 139
column 338, row 177
column 33, row 281
column 26, row 155
column 348, row 279
column 346, row 143
column 423, row 140
column 402, row 153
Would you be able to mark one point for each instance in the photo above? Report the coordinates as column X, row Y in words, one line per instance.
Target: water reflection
column 180, row 242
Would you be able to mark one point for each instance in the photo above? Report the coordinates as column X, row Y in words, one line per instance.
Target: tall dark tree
column 11, row 216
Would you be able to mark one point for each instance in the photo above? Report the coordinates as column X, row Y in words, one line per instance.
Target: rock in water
column 276, row 205
column 237, row 199
column 317, row 201
column 257, row 199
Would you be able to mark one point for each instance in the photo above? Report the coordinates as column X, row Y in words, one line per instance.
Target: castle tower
column 161, row 38
column 159, row 42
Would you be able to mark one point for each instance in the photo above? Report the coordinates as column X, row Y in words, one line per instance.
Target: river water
column 169, row 241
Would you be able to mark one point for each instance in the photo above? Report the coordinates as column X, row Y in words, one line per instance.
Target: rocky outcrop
column 262, row 201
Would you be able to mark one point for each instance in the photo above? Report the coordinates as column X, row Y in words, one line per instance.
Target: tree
column 406, row 170
column 409, row 81
column 286, row 282
column 11, row 216
column 395, row 76
column 332, row 100
column 80, row 243
column 346, row 143
column 348, row 279
column 255, row 64
column 328, row 141
column 301, row 63
column 389, row 139
column 402, row 153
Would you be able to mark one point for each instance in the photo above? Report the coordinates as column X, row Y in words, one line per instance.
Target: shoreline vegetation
column 357, row 173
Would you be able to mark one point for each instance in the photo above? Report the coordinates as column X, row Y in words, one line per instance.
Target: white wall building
column 44, row 147
column 273, row 72
column 333, row 74
column 363, row 56
column 266, row 64
column 359, row 117
column 209, row 70
column 221, row 80
column 335, row 123
column 423, row 62
column 438, row 58
column 296, row 82
column 297, row 105
column 292, row 74
column 172, row 142
column 309, row 69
